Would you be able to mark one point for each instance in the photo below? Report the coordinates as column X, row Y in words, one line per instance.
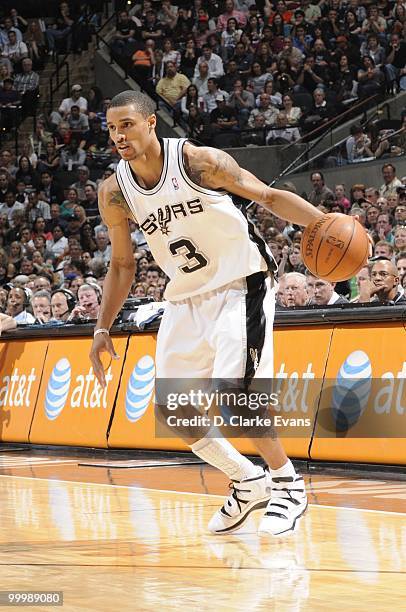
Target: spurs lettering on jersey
column 196, row 235
column 164, row 216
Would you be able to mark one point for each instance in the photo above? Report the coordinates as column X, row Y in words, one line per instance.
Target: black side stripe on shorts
column 255, row 323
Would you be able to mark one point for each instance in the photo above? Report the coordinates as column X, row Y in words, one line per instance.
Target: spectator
column 320, row 112
column 191, row 97
column 83, row 180
column 399, row 238
column 320, row 192
column 370, row 79
column 124, row 34
column 283, row 133
column 88, row 307
column 384, row 287
column 17, row 303
column 339, row 193
column 90, row 203
column 213, row 92
column 103, row 247
column 41, row 306
column 214, row 62
column 243, row 102
column 295, row 290
column 35, row 41
column 396, row 63
column 78, row 121
column 189, row 59
column 230, row 12
column 362, row 279
column 323, row 292
column 15, row 51
column 391, row 182
column 72, row 157
column 62, row 303
column 58, row 244
column 201, row 80
column 10, row 206
column 243, row 59
column 401, row 264
column 27, row 81
column 266, row 109
column 151, row 28
column 76, row 99
column 173, row 86
column 383, row 248
column 37, row 208
column 61, row 30
column 358, row 145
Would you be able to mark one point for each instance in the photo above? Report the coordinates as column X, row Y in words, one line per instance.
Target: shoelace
column 235, row 490
column 284, row 494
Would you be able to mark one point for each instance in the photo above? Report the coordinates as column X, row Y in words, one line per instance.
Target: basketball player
column 220, row 299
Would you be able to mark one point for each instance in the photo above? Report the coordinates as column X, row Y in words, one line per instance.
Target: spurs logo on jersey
column 196, row 235
column 169, row 213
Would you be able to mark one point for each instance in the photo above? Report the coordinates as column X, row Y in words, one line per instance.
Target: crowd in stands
column 240, row 72
column 234, row 65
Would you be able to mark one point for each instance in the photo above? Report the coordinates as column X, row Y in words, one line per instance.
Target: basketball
column 335, row 247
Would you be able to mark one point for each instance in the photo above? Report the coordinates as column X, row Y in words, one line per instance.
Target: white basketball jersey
column 199, row 238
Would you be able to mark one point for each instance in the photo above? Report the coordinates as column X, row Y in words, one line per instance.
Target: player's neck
column 148, row 167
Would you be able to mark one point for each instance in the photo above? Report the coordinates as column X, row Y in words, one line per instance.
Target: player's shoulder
column 201, row 157
column 112, row 203
column 109, row 185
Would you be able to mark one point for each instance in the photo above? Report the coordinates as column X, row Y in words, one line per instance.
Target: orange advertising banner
column 362, row 413
column 72, row 407
column 21, row 365
column 299, row 366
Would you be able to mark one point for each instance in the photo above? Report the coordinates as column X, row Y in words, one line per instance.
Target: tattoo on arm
column 117, row 199
column 220, row 170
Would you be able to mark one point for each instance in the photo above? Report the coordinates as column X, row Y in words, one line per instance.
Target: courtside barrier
column 49, row 395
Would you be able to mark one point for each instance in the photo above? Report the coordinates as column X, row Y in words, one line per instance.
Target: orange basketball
column 335, row 247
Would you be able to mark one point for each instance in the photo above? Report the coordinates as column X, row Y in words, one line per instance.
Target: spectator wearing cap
column 229, row 12
column 76, row 99
column 391, row 182
column 214, row 62
column 223, row 118
column 384, row 285
column 172, row 87
column 152, row 28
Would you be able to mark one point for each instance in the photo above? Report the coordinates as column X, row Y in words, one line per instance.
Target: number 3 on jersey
column 185, row 247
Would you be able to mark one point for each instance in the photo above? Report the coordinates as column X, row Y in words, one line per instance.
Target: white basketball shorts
column 221, row 334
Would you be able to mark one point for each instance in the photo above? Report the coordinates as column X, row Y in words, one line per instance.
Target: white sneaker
column 247, row 495
column 287, row 504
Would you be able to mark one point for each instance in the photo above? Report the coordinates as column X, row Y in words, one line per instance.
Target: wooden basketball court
column 136, row 539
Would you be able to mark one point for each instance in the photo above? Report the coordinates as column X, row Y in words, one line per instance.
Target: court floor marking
column 107, row 484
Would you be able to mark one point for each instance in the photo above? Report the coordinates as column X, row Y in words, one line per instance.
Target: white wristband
column 101, row 330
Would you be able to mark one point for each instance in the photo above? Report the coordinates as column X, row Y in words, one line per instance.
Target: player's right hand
column 102, row 343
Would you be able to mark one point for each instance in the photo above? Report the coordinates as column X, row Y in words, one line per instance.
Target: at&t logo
column 58, row 389
column 140, row 388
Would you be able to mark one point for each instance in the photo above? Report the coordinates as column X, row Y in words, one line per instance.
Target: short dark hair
column 142, row 103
